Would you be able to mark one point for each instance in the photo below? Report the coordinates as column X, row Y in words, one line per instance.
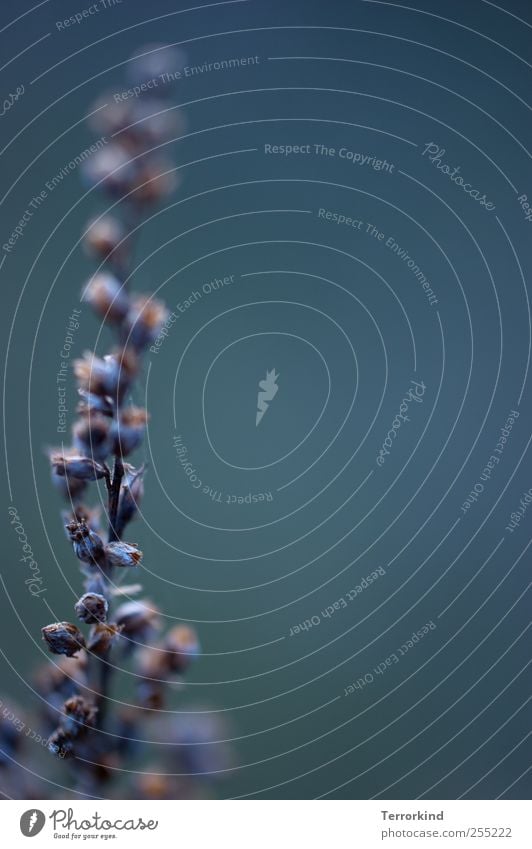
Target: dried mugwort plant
column 108, row 626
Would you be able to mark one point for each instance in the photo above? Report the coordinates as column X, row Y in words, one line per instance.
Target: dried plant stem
column 104, row 674
column 114, row 496
column 103, row 666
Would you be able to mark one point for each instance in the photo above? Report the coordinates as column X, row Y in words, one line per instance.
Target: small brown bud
column 108, row 297
column 154, row 181
column 90, row 436
column 60, row 743
column 151, row 663
column 109, row 377
column 102, row 637
column 122, row 554
column 92, row 608
column 104, row 236
column 127, row 432
column 139, row 619
column 63, row 638
column 88, row 546
column 78, row 715
column 76, row 466
column 181, row 647
column 150, row 695
column 144, row 320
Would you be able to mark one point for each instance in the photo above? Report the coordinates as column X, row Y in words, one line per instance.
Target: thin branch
column 114, row 497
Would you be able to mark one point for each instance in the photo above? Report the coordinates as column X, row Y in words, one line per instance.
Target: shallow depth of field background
column 336, row 305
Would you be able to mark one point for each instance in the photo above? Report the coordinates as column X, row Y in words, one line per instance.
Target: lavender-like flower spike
column 76, row 688
column 63, row 638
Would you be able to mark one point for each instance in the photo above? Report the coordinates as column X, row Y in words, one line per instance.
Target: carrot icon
column 267, row 391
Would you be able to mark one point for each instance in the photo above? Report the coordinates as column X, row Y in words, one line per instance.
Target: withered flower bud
column 92, row 608
column 151, row 663
column 90, row 436
column 109, row 376
column 97, row 376
column 138, row 619
column 150, row 694
column 107, row 296
column 63, row 638
column 79, row 715
column 127, row 432
column 60, row 743
column 104, row 236
column 144, row 321
column 122, row 554
column 181, row 646
column 88, row 546
column 155, row 179
column 73, row 466
column 102, row 637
